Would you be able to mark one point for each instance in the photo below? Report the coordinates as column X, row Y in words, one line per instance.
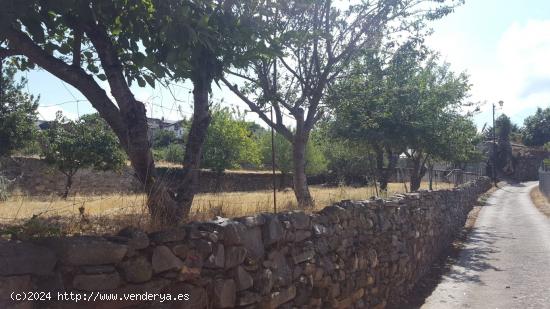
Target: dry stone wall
column 354, row 254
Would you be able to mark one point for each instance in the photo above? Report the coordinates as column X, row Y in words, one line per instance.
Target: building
column 156, row 124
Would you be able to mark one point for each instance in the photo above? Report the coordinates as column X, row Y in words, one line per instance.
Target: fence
column 544, row 179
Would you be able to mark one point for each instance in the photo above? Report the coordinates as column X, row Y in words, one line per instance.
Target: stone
column 246, row 298
column 300, row 236
column 252, row 241
column 12, row 284
column 85, row 250
column 234, row 256
column 281, row 270
column 181, row 250
column 172, row 235
column 303, row 255
column 300, row 220
column 217, row 258
column 137, row 239
column 98, row 269
column 98, row 282
column 163, row 260
column 278, row 298
column 263, row 281
column 25, row 258
column 242, row 278
column 252, row 221
column 137, row 270
column 189, row 273
column 272, row 230
column 225, row 293
column 233, row 233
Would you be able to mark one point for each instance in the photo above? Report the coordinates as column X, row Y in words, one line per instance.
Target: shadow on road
column 463, row 261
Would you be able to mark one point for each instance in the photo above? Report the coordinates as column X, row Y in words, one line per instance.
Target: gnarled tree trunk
column 301, row 189
column 384, row 172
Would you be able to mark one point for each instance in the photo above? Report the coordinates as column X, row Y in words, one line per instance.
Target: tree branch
column 22, row 44
column 278, row 126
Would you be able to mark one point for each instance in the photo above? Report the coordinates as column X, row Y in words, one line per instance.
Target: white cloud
column 516, row 69
column 48, row 113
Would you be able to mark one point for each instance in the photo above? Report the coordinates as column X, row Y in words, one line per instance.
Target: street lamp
column 501, row 103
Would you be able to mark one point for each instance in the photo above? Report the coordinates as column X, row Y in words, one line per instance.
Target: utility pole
column 501, row 103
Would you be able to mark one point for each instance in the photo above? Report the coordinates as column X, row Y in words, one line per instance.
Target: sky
column 504, row 46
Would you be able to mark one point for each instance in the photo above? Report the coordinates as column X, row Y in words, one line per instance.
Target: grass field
column 77, row 213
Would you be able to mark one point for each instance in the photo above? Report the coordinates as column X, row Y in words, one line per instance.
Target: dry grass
column 541, row 201
column 96, row 214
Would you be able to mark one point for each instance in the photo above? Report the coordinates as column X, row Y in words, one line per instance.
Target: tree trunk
column 301, row 189
column 385, row 172
column 431, row 174
column 193, row 150
column 68, row 185
column 418, row 171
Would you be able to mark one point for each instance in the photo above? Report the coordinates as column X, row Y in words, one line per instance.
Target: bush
column 173, row 153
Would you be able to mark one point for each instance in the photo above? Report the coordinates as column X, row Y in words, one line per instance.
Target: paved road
column 506, row 259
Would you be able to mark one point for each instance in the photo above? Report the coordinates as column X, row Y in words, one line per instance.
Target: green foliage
column 163, row 138
column 536, row 128
column 17, row 113
column 174, row 153
column 316, row 163
column 89, row 142
column 229, row 143
column 407, row 102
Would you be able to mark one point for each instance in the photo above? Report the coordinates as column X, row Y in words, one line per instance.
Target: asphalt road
column 506, row 259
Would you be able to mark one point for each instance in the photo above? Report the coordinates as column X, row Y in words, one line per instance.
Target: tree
column 128, row 41
column 72, row 145
column 229, row 143
column 536, row 128
column 164, row 138
column 17, row 112
column 505, row 160
column 315, row 41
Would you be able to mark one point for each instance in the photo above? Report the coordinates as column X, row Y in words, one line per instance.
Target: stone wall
column 36, row 178
column 354, row 254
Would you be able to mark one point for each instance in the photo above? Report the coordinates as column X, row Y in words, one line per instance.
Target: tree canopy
column 536, row 128
column 86, row 143
column 17, row 112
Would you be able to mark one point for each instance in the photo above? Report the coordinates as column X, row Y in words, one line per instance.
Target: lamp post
column 501, row 103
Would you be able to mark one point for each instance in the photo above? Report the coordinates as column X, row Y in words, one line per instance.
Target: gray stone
column 15, row 284
column 300, row 220
column 98, row 269
column 181, row 250
column 303, row 255
column 98, row 282
column 278, row 298
column 85, row 250
column 281, row 270
column 252, row 241
column 233, row 233
column 234, row 256
column 25, row 258
column 242, row 278
column 137, row 270
column 248, row 298
column 217, row 258
column 163, row 260
column 137, row 239
column 301, row 235
column 225, row 293
column 252, row 221
column 272, row 230
column 263, row 281
column 172, row 235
